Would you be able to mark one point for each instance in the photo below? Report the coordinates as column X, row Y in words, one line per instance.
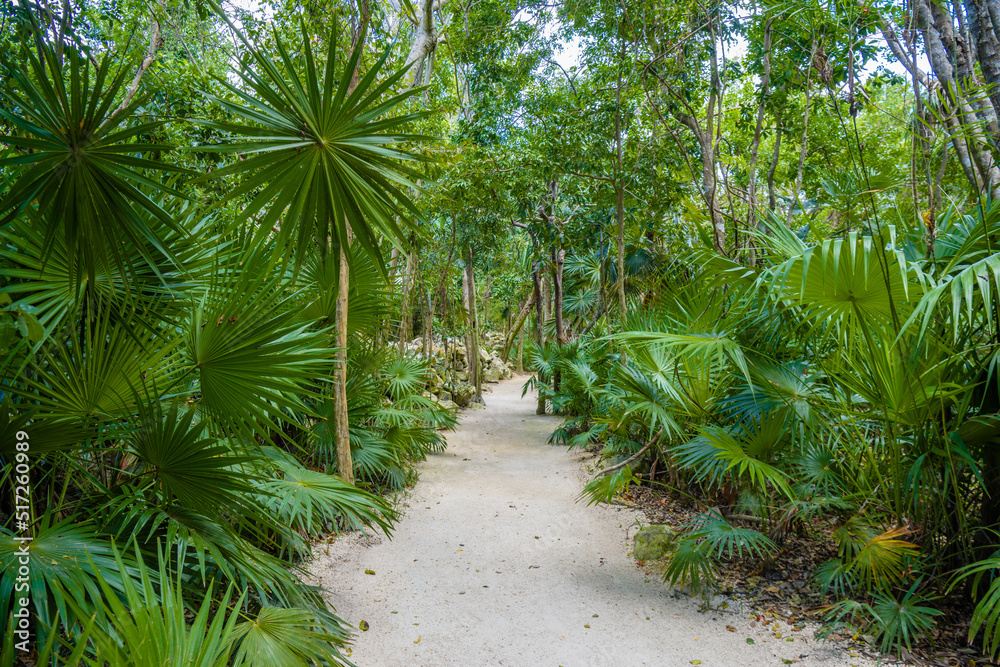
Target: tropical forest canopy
column 747, row 249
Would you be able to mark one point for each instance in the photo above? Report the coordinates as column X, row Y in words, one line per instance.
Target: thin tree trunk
column 425, row 39
column 709, row 183
column 805, row 139
column 539, row 324
column 520, row 351
column 155, row 42
column 772, row 199
column 558, row 259
column 765, row 91
column 518, row 326
column 428, row 337
column 405, row 319
column 345, row 464
column 342, row 439
column 620, row 202
column 474, row 374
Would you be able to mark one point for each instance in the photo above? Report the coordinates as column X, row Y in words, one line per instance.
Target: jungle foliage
column 170, row 358
column 753, row 242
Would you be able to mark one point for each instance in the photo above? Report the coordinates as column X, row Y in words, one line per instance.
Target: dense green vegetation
column 748, row 249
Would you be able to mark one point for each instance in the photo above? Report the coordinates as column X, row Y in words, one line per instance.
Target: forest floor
column 497, row 561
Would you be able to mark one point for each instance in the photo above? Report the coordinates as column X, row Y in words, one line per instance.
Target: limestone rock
column 654, row 543
column 463, row 394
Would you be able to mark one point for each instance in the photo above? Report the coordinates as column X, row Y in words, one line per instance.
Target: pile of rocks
column 449, row 380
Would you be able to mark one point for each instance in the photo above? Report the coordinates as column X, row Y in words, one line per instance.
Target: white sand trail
column 497, row 561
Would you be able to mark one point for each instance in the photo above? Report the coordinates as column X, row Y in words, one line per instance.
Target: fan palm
column 172, row 372
column 321, row 156
column 80, row 164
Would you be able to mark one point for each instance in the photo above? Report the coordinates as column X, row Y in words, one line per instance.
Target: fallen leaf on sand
column 363, row 625
column 419, row 637
column 369, row 571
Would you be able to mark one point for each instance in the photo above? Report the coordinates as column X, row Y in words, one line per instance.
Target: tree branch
column 154, row 44
column 619, row 466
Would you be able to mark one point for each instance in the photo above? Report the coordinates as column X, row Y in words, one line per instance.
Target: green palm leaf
column 287, row 637
column 200, row 473
column 319, row 157
column 150, row 624
column 65, row 557
column 304, row 496
column 80, row 162
column 254, row 360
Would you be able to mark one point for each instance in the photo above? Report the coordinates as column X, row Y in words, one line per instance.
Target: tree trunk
column 520, row 350
column 558, row 259
column 405, row 318
column 984, row 21
column 772, row 199
column 474, row 374
column 345, row 464
column 709, row 183
column 428, row 332
column 425, row 39
column 539, row 325
column 620, row 202
column 765, row 91
column 805, row 140
column 518, row 326
column 946, row 53
column 342, row 439
column 620, row 257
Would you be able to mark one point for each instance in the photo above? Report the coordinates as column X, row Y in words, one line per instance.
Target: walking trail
column 497, row 561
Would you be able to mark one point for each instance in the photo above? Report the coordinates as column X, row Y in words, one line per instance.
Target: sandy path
column 497, row 562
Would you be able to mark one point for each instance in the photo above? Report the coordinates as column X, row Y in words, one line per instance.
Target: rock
column 491, row 376
column 445, row 397
column 450, row 405
column 654, row 543
column 463, row 394
column 462, row 376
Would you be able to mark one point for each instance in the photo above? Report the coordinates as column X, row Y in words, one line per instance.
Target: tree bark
column 520, row 351
column 772, row 199
column 765, row 91
column 539, row 324
column 518, row 325
column 405, row 319
column 474, row 374
column 620, row 203
column 425, row 40
column 154, row 44
column 804, row 148
column 709, row 183
column 984, row 17
column 428, row 337
column 345, row 464
column 342, row 438
column 946, row 53
column 558, row 259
